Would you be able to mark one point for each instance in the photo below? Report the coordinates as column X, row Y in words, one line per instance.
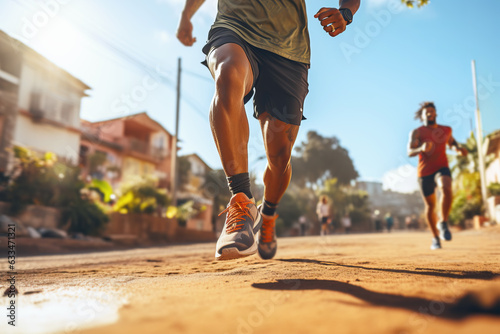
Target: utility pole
column 479, row 141
column 173, row 171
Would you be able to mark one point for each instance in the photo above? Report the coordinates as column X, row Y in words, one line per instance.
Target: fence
column 155, row 229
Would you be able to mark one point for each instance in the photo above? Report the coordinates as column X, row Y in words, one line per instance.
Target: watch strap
column 346, row 14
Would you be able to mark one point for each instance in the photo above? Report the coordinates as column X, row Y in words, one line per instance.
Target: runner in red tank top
column 429, row 143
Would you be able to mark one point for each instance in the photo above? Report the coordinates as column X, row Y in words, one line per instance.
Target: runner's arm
column 331, row 17
column 453, row 144
column 415, row 147
column 353, row 5
column 185, row 30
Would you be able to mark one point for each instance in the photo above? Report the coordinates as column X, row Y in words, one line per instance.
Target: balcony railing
column 138, row 145
column 142, row 147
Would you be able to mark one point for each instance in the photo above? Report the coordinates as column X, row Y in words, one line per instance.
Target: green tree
column 183, row 171
column 321, row 158
column 494, row 189
column 96, row 160
column 215, row 187
column 140, row 195
column 346, row 200
column 413, row 3
column 463, row 165
column 467, row 201
column 290, row 208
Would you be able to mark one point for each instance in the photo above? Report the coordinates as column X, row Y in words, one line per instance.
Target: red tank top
column 435, row 159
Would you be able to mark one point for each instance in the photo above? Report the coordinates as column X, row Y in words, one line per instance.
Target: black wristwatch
column 346, row 14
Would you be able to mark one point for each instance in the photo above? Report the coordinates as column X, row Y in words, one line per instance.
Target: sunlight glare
column 62, row 43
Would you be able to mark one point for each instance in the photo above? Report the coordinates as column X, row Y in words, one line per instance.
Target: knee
column 280, row 160
column 429, row 207
column 446, row 190
column 230, row 81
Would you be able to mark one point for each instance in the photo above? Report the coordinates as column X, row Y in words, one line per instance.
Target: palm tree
column 463, row 165
column 467, row 182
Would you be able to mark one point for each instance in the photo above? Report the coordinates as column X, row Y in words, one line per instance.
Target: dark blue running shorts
column 428, row 183
column 280, row 84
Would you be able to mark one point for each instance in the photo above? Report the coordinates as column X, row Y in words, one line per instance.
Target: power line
column 125, row 52
column 199, row 76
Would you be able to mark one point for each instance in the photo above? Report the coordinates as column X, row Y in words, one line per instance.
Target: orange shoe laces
column 236, row 213
column 267, row 230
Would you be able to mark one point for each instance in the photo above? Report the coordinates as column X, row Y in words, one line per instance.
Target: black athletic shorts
column 428, row 183
column 280, row 84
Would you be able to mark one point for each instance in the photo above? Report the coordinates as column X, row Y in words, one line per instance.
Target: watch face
column 347, row 15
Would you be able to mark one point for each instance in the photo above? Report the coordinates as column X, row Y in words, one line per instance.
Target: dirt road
column 370, row 283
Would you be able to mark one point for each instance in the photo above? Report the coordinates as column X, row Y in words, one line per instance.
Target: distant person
column 408, row 222
column 261, row 47
column 303, row 225
column 389, row 221
column 377, row 220
column 415, row 222
column 429, row 142
column 323, row 212
column 346, row 223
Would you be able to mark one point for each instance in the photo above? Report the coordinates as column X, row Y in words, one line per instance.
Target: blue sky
column 364, row 85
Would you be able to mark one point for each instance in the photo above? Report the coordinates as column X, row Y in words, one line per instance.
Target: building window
column 84, row 152
column 67, row 113
column 51, row 107
column 35, row 101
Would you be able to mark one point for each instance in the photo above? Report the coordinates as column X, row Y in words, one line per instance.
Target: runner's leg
column 430, row 207
column 233, row 77
column 279, row 138
column 444, row 185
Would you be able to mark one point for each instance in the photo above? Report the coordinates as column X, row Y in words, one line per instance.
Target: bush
column 40, row 180
column 358, row 216
column 465, row 207
column 43, row 180
column 494, row 189
column 141, row 196
column 289, row 211
column 185, row 211
column 84, row 216
column 467, row 201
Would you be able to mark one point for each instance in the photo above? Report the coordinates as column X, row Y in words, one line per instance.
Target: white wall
column 493, row 172
column 47, row 138
column 27, row 83
column 54, row 96
column 197, row 168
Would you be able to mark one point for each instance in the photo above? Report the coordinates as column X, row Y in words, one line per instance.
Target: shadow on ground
column 471, row 303
column 480, row 275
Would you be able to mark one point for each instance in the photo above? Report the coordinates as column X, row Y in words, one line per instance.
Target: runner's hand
column 427, row 147
column 462, row 151
column 185, row 31
column 329, row 17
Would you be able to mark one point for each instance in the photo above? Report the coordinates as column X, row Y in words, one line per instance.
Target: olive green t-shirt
column 279, row 26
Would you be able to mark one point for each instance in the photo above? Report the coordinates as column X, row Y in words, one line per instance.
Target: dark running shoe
column 444, row 232
column 243, row 221
column 436, row 244
column 267, row 237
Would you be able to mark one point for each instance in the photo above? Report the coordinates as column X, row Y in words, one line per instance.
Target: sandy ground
column 369, row 283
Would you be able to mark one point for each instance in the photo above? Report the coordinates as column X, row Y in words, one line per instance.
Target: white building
column 39, row 103
column 399, row 204
column 193, row 191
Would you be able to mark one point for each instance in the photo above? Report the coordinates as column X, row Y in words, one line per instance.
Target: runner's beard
column 429, row 122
